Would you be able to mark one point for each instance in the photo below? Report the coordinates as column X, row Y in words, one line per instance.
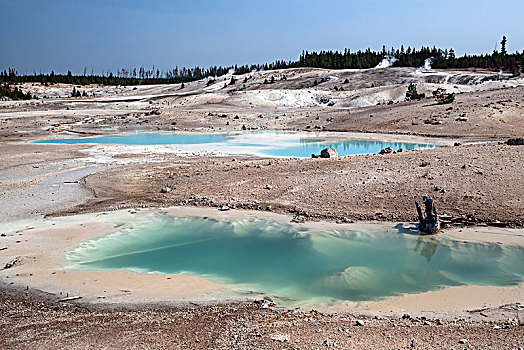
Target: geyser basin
column 275, row 144
column 297, row 264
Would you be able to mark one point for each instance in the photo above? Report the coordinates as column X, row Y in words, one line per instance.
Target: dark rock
column 515, row 142
column 386, row 150
column 11, row 263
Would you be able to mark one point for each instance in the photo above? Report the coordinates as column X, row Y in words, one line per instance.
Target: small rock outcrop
column 386, row 150
column 328, row 153
column 280, row 337
column 11, row 263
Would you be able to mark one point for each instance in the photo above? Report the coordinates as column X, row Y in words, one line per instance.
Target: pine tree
column 503, row 51
column 442, row 97
column 451, row 54
column 412, row 93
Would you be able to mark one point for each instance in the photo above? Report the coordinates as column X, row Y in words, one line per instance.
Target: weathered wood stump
column 430, row 223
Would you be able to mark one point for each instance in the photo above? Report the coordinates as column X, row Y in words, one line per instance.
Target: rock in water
column 328, row 153
column 386, row 150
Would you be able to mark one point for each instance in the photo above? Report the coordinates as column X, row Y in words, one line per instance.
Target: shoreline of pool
column 41, row 265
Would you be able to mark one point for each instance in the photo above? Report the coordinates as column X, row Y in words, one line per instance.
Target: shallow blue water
column 297, row 265
column 304, row 148
column 275, row 144
column 146, row 139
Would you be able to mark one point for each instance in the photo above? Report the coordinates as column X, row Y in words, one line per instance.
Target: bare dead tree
column 429, row 223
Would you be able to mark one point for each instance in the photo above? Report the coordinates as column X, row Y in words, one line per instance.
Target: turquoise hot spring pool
column 296, row 264
column 273, row 144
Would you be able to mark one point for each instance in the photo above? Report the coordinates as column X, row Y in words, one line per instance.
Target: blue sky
column 108, row 34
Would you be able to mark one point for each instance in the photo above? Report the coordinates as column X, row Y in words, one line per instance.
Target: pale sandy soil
column 479, row 182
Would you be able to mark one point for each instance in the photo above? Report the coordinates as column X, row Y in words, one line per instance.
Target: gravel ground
column 34, row 321
column 480, row 182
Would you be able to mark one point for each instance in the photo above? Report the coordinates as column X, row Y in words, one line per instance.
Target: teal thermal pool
column 273, row 144
column 296, row 264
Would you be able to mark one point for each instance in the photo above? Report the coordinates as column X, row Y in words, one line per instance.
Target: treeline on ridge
column 402, row 57
column 124, row 76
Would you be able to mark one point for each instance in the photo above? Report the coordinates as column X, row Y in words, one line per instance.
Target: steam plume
column 426, row 66
column 386, row 62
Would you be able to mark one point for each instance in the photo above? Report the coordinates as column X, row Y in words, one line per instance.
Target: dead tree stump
column 430, row 223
